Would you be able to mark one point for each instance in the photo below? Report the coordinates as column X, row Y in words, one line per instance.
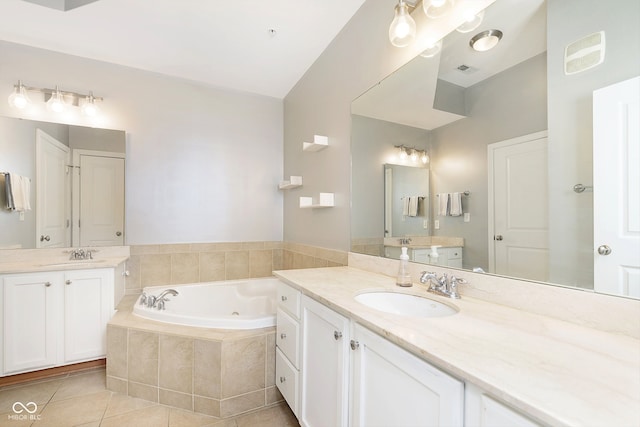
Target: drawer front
column 287, row 333
column 287, row 381
column 289, row 299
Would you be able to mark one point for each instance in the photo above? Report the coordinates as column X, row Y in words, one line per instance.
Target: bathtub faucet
column 158, row 302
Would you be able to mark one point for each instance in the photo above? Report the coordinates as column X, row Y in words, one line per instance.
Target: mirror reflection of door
column 52, row 194
column 616, row 188
column 518, row 225
column 101, row 201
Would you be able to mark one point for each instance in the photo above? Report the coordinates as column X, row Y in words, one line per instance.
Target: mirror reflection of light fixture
column 56, row 100
column 485, row 40
column 56, row 103
column 18, row 98
column 402, row 30
column 432, row 49
column 405, row 153
column 437, row 8
column 471, row 22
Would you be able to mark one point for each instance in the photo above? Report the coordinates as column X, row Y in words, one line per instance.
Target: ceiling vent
column 584, row 54
column 62, row 5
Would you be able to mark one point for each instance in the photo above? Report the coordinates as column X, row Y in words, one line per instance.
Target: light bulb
column 471, row 22
column 56, row 102
column 403, row 153
column 414, row 156
column 89, row 108
column 402, row 30
column 18, row 98
column 432, row 49
column 424, row 158
column 437, row 8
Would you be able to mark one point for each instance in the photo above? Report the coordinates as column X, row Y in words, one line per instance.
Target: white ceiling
column 220, row 43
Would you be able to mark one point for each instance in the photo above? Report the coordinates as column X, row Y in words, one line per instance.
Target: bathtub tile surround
column 220, row 373
column 155, row 265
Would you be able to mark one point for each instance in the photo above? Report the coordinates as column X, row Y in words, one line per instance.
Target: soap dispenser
column 404, row 278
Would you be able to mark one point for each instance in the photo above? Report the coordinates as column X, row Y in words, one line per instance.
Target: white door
column 391, row 387
column 324, row 366
column 616, row 188
column 518, row 208
column 31, row 327
column 101, row 221
column 52, row 192
column 88, row 306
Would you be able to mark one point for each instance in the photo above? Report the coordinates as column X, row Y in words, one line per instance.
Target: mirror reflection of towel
column 456, row 204
column 443, row 204
column 405, row 206
column 18, row 190
column 413, row 205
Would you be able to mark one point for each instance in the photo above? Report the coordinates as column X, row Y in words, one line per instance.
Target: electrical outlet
column 436, row 224
column 425, row 224
column 467, row 217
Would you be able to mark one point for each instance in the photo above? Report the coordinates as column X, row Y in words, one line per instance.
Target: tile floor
column 81, row 399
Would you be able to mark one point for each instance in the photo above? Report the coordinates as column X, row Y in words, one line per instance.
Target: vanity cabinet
column 324, row 366
column 54, row 318
column 482, row 410
column 288, row 345
column 392, row 387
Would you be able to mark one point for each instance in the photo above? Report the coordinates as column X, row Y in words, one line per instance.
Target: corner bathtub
column 234, row 304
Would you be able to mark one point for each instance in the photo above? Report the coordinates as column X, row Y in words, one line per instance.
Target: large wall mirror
column 510, row 138
column 75, row 180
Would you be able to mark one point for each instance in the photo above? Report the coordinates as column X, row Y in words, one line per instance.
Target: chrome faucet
column 81, row 254
column 404, row 240
column 152, row 301
column 444, row 285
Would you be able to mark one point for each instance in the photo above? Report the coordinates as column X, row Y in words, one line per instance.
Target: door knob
column 604, row 250
column 43, row 238
column 118, row 233
column 497, row 237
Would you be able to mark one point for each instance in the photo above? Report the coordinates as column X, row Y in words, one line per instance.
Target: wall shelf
column 325, row 200
column 293, row 182
column 319, row 143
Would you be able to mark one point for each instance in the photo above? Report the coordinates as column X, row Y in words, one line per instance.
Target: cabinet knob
column 43, row 238
column 283, row 379
column 47, row 284
column 283, row 298
column 283, row 335
column 68, row 282
column 118, row 233
column 355, row 345
column 498, row 237
column 337, row 335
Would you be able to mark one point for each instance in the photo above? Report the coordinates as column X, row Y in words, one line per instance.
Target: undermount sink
column 405, row 304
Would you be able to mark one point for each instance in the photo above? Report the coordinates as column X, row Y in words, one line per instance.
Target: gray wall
column 510, row 104
column 203, row 164
column 570, row 122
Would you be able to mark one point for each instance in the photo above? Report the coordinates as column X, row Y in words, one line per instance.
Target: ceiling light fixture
column 56, row 100
column 402, row 30
column 485, row 40
column 471, row 22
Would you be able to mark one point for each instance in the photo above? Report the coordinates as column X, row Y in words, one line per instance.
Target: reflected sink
column 405, row 304
column 73, row 262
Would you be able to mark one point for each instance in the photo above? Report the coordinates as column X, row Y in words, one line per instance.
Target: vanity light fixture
column 485, row 40
column 56, row 100
column 18, row 98
column 402, row 30
column 414, row 154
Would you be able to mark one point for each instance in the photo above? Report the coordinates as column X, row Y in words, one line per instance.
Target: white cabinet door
column 391, row 387
column 88, row 306
column 31, row 322
column 324, row 366
column 481, row 410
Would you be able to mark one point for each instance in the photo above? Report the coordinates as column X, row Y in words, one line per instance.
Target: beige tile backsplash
column 157, row 265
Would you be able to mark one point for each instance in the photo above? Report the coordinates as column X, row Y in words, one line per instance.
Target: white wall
column 203, row 164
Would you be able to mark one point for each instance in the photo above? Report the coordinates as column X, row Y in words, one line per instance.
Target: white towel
column 413, row 206
column 19, row 190
column 456, row 204
column 443, row 204
column 405, row 206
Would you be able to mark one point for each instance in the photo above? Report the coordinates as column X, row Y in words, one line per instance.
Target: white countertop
column 555, row 371
column 60, row 264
